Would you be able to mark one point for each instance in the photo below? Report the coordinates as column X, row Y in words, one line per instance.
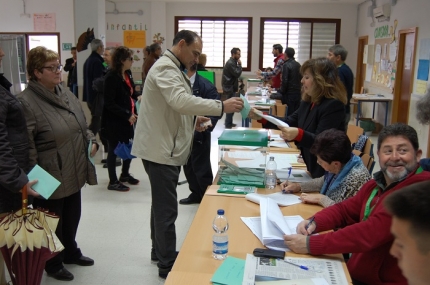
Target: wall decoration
column 84, row 39
column 113, row 44
column 134, row 39
column 44, row 22
column 423, row 67
column 67, row 46
column 157, row 38
column 123, row 27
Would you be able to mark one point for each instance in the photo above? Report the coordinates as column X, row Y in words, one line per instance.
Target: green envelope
column 230, row 272
column 46, row 184
column 246, row 107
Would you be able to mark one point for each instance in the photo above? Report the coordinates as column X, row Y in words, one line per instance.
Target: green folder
column 244, row 138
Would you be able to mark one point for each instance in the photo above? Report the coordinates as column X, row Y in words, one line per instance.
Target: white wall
column 346, row 12
column 409, row 14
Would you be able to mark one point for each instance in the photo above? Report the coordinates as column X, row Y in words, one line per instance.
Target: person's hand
column 139, row 98
column 311, row 198
column 296, row 243
column 201, row 123
column 30, row 190
column 232, row 105
column 303, row 229
column 258, row 72
column 239, row 62
column 289, row 133
column 133, row 119
column 290, row 187
column 74, row 63
column 93, row 149
column 254, row 114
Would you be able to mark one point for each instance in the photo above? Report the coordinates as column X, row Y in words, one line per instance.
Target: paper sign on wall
column 44, row 22
column 135, row 39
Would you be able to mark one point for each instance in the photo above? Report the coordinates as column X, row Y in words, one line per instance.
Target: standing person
column 58, row 142
column 146, row 53
column 69, row 67
column 119, row 115
column 275, row 74
column 93, row 69
column 362, row 221
column 164, row 134
column 201, row 66
column 337, row 54
column 154, row 55
column 198, row 170
column 410, row 226
column 291, row 85
column 230, row 84
column 322, row 108
column 14, row 150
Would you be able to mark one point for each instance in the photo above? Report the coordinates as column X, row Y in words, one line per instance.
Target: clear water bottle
column 220, row 238
column 270, row 178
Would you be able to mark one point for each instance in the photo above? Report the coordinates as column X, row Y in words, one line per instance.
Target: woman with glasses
column 344, row 176
column 59, row 142
column 119, row 114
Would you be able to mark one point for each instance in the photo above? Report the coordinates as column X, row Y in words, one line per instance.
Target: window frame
column 215, row 18
column 301, row 20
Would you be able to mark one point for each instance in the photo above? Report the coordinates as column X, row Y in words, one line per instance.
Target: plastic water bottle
column 220, row 238
column 270, row 178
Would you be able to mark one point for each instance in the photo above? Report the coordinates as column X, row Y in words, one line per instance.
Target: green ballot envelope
column 46, row 184
column 231, row 189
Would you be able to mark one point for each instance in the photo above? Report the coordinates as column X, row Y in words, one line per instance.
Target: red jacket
column 276, row 80
column 369, row 241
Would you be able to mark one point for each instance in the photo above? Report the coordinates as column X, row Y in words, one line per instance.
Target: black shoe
column 82, row 261
column 118, row 186
column 162, row 275
column 188, row 201
column 63, row 274
column 129, row 179
column 154, row 257
column 104, row 160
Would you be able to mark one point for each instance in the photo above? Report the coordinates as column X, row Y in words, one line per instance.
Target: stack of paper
column 280, row 198
column 271, row 226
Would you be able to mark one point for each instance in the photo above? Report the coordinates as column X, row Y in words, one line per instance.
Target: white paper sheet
column 273, row 120
column 280, row 198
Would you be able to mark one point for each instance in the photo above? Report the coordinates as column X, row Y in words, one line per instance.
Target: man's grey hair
column 95, row 44
column 110, row 49
column 339, row 50
column 423, row 108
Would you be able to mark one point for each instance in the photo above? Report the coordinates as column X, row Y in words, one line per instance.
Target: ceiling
column 251, row 1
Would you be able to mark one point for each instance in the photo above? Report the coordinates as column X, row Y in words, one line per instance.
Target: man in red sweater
column 275, row 74
column 363, row 222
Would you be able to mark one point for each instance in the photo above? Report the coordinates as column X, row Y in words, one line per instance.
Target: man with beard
column 363, row 222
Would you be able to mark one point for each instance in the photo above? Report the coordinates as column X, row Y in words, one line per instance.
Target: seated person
column 268, row 83
column 363, row 223
column 410, row 208
column 345, row 172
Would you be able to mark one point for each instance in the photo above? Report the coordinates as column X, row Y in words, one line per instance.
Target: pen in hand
column 310, row 223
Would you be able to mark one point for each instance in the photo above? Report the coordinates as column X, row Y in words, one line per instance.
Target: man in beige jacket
column 168, row 117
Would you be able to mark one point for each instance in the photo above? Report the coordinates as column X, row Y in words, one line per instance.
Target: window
column 310, row 38
column 219, row 36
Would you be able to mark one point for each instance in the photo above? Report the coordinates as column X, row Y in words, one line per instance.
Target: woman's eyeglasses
column 54, row 68
column 131, row 58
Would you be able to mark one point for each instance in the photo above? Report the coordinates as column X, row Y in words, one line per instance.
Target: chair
column 368, row 161
column 353, row 132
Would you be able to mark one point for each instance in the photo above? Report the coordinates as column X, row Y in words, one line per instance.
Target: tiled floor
column 114, row 228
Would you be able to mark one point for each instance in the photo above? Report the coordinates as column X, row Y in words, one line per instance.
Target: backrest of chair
column 368, row 161
column 368, row 147
column 353, row 132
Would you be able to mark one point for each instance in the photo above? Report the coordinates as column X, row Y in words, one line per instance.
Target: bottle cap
column 220, row 212
column 272, row 158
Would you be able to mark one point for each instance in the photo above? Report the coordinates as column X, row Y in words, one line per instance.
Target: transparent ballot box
column 253, row 83
column 242, row 157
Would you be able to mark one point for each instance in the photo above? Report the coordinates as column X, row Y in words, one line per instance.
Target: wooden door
column 404, row 75
column 360, row 75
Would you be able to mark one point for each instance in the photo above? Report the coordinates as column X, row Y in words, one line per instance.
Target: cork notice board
column 384, row 67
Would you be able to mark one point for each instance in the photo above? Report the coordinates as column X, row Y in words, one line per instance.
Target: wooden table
column 195, row 264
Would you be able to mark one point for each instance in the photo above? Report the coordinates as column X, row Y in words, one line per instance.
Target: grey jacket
column 230, row 74
column 58, row 137
column 166, row 122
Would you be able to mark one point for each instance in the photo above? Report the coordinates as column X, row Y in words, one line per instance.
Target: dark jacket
column 13, row 151
column 330, row 113
column 230, row 75
column 205, row 89
column 93, row 68
column 291, row 79
column 347, row 78
column 98, row 86
column 69, row 68
column 117, row 107
column 58, row 136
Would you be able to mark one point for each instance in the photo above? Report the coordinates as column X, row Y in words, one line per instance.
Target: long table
column 195, row 264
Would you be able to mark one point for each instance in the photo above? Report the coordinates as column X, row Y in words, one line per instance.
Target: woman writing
column 345, row 172
column 322, row 108
column 58, row 141
column 119, row 114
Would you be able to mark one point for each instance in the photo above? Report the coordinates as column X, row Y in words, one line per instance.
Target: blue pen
column 289, row 173
column 310, row 223
column 300, row 266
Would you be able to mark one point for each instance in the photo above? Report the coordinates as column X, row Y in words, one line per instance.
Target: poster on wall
column 44, row 22
column 135, row 39
column 423, row 67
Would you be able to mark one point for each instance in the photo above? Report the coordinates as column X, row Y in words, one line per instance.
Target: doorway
column 360, row 75
column 407, row 41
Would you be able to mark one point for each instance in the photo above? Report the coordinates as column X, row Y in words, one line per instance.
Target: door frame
column 360, row 70
column 396, row 108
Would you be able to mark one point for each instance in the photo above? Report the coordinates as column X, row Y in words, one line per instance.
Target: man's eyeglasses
column 54, row 68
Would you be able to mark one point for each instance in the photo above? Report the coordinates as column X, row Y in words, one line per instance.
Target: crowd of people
column 382, row 221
